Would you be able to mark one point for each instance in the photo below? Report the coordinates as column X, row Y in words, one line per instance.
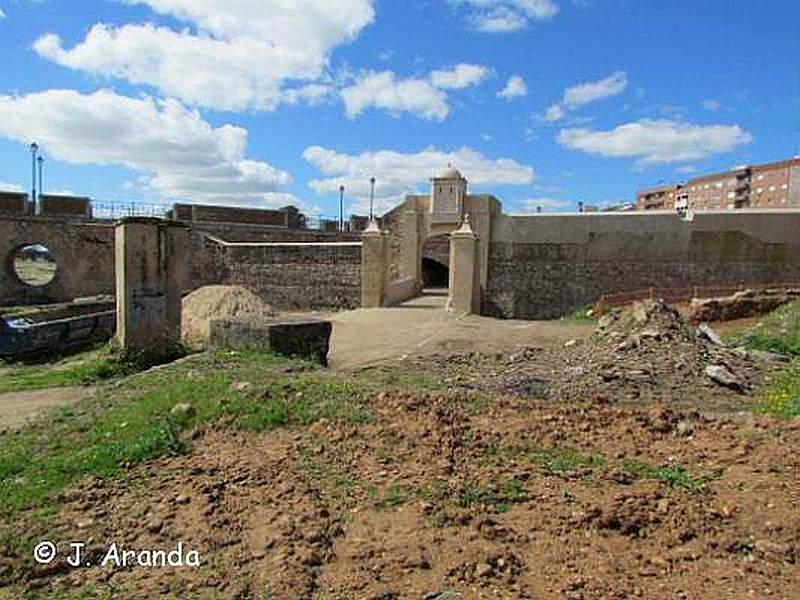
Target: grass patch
column 675, row 476
column 85, row 368
column 558, row 461
column 501, row 495
column 782, row 398
column 777, row 332
column 396, row 495
column 562, row 462
column 132, row 423
column 555, row 461
column 581, row 316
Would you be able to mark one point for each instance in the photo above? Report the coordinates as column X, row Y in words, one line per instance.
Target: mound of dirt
column 648, row 315
column 215, row 302
column 748, row 303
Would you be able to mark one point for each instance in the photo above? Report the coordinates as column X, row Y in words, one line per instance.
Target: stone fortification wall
column 545, row 266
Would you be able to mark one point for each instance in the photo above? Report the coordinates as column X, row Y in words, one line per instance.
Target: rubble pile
column 647, row 352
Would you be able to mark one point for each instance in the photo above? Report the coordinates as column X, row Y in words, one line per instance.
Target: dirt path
column 16, row 408
column 421, row 327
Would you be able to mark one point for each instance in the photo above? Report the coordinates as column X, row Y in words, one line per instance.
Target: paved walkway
column 422, row 327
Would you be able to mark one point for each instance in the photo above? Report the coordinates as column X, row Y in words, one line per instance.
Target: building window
column 760, row 191
column 785, row 186
column 772, row 188
column 760, row 177
column 783, row 200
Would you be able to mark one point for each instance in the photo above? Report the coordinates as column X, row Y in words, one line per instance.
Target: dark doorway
column 436, row 262
column 435, row 274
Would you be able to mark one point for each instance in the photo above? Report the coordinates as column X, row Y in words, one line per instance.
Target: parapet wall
column 84, row 254
column 546, row 266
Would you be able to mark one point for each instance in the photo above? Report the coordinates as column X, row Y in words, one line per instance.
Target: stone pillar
column 465, row 271
column 151, row 258
column 409, row 249
column 373, row 266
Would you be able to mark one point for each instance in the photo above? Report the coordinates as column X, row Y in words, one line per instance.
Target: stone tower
column 447, row 196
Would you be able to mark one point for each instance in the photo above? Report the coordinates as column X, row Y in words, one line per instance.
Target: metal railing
column 112, row 210
column 117, row 210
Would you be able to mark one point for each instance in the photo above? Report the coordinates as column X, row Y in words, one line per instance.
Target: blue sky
column 269, row 102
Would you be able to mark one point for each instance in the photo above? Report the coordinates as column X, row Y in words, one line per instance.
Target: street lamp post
column 41, row 176
column 341, row 208
column 371, row 199
column 34, row 152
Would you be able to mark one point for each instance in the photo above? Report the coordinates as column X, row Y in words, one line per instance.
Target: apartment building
column 771, row 185
column 657, row 198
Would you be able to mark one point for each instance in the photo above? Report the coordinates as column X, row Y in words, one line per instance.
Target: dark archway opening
column 435, row 274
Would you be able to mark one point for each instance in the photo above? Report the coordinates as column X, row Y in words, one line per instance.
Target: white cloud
column 515, row 88
column 687, row 170
column 713, row 105
column 312, row 94
column 179, row 154
column 399, row 173
column 532, row 204
column 243, row 54
column 657, row 141
column 425, row 98
column 459, row 77
column 586, row 93
column 503, row 16
column 384, row 90
column 10, row 187
column 2, row 14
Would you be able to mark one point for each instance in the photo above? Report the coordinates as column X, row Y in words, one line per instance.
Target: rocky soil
column 613, row 468
column 645, row 355
column 512, row 499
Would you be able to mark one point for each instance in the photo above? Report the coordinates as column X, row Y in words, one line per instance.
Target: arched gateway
column 419, row 243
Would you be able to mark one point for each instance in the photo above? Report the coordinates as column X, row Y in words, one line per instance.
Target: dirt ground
column 513, row 498
column 421, row 327
column 636, row 476
column 607, row 466
column 17, row 408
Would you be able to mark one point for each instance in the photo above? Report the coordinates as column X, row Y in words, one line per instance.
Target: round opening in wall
column 34, row 265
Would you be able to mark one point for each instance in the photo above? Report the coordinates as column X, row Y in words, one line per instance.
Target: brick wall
column 65, row 206
column 548, row 266
column 13, row 204
column 311, row 276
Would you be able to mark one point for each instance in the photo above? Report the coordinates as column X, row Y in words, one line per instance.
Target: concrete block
column 307, row 339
